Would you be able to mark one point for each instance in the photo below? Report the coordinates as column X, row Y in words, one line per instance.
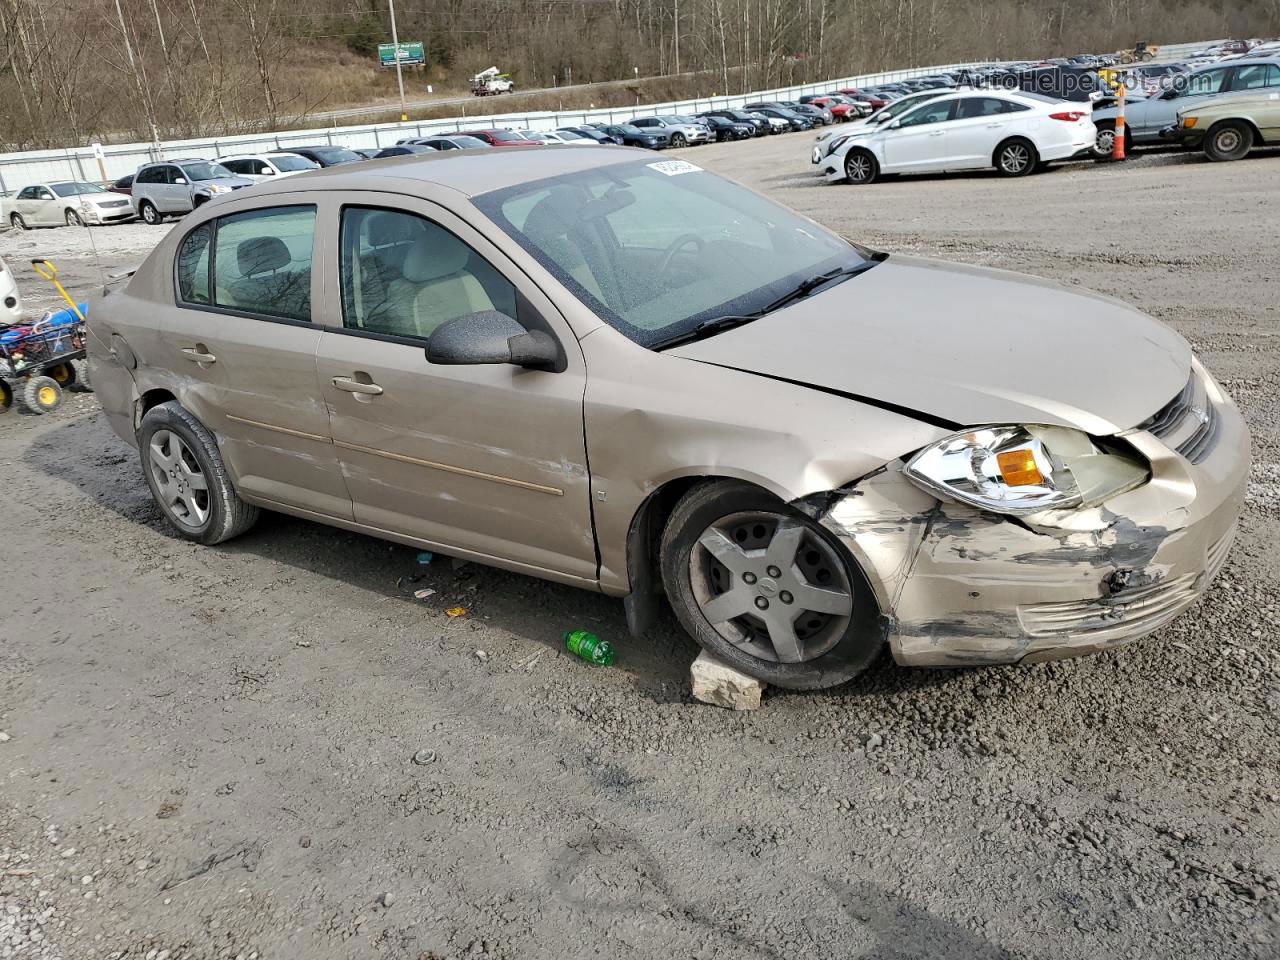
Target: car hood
column 967, row 345
column 110, row 196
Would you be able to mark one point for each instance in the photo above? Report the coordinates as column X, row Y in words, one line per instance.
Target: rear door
column 979, row 126
column 243, row 346
column 487, row 460
column 171, row 192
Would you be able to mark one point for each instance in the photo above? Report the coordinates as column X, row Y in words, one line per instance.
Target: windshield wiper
column 807, row 287
column 709, row 328
column 706, row 328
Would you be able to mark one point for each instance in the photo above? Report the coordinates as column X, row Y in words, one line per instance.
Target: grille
column 1189, row 422
column 115, row 203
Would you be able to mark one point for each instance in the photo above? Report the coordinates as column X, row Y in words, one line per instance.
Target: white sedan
column 267, row 166
column 1013, row 132
column 74, row 203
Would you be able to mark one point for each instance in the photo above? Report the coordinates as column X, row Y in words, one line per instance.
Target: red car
column 500, row 138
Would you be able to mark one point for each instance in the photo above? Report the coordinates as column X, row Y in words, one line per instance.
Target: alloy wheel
column 150, row 214
column 73, row 219
column 677, row 140
column 1105, row 142
column 772, row 586
column 1014, row 158
column 15, row 219
column 181, row 485
column 857, row 167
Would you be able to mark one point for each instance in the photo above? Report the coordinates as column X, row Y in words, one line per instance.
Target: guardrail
column 78, row 163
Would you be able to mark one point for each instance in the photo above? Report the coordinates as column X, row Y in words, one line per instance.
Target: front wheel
column 187, row 477
column 149, row 212
column 678, row 140
column 1229, row 140
column 860, row 167
column 74, row 219
column 1016, row 158
column 767, row 590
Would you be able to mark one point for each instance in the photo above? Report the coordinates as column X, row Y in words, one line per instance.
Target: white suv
column 264, row 166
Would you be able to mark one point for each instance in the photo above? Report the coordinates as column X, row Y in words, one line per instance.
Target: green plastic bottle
column 589, row 647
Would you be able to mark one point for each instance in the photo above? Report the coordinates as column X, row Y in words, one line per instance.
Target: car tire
column 743, row 522
column 17, row 222
column 150, row 215
column 1104, row 141
column 64, row 374
column 1016, row 157
column 41, row 394
column 1228, row 140
column 678, row 140
column 74, row 219
column 82, row 383
column 860, row 168
column 6, row 396
column 178, row 453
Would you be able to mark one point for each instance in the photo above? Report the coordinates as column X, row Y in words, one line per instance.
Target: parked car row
column 1018, row 118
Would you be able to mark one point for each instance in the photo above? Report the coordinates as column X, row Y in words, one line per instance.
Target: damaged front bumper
column 958, row 586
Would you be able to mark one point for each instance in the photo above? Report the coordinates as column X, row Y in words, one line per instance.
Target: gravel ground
column 210, row 752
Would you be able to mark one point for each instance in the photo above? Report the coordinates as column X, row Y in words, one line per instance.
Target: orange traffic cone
column 1117, row 146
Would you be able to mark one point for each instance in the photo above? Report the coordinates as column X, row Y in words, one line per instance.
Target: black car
column 722, row 128
column 325, row 155
column 402, row 150
column 633, row 136
column 819, row 115
column 741, row 116
column 782, row 113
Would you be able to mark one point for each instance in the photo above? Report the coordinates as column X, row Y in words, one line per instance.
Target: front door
column 37, row 205
column 484, row 460
column 244, row 346
column 1153, row 115
column 919, row 140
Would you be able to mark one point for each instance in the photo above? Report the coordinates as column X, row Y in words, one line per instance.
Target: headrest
column 261, row 255
column 388, row 228
column 436, row 253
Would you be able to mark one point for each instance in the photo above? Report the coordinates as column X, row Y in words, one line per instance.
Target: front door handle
column 994, row 126
column 199, row 354
column 355, row 386
column 937, row 133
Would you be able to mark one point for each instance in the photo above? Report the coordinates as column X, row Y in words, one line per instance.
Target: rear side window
column 258, row 262
column 1256, row 75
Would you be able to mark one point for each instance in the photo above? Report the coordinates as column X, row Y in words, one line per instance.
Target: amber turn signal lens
column 1018, row 467
column 1189, row 122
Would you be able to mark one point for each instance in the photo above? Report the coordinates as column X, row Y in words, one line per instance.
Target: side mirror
column 180, row 181
column 491, row 337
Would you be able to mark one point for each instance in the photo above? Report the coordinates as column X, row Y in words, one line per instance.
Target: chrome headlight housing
column 1022, row 469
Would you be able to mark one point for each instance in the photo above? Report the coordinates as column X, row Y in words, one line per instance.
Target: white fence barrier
column 78, row 163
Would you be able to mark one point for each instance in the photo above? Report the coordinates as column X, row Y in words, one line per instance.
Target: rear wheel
column 149, row 213
column 1229, row 140
column 16, row 221
column 41, row 394
column 1016, row 158
column 64, row 374
column 187, row 477
column 6, row 396
column 860, row 167
column 767, row 590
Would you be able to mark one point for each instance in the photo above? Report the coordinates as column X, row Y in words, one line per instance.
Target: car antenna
column 93, row 243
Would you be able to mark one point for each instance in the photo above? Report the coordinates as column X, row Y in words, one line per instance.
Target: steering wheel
column 675, row 246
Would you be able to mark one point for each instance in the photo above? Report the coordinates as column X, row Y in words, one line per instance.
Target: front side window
column 262, row 261
column 403, row 275
column 655, row 248
column 928, row 113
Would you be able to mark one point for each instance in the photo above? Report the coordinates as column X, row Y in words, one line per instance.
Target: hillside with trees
column 75, row 70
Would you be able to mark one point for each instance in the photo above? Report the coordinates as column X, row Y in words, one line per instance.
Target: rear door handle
column 199, row 354
column 355, row 386
column 994, row 126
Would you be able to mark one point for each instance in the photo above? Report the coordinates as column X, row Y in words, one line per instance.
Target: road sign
column 410, row 53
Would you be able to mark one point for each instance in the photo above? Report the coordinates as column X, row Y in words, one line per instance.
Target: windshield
column 468, row 143
column 629, row 130
column 336, row 155
column 291, row 163
column 206, row 171
column 891, row 110
column 76, row 187
column 656, row 248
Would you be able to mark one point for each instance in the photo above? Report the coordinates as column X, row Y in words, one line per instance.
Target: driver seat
column 436, row 284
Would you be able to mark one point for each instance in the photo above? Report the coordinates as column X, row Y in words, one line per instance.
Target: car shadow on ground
column 539, row 611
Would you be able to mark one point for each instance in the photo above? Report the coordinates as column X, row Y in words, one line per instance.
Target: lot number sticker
column 673, row 168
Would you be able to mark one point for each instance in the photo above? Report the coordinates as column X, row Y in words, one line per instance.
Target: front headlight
column 837, row 143
column 1025, row 469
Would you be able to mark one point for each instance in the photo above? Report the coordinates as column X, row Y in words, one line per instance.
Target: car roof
column 478, row 172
